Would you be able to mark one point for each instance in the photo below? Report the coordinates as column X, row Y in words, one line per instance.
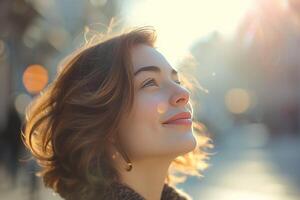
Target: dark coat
column 119, row 191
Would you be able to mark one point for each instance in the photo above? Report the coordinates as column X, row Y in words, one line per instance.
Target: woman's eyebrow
column 152, row 68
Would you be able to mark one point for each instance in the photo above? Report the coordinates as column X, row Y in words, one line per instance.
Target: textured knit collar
column 120, row 191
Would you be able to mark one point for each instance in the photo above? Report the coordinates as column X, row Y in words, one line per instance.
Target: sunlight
column 181, row 23
column 237, row 100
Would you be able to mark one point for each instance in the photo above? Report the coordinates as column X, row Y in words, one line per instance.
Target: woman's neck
column 147, row 177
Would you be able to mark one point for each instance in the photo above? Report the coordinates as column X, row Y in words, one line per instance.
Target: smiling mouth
column 184, row 122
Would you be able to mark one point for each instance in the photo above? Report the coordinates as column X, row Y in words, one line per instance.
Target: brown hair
column 67, row 124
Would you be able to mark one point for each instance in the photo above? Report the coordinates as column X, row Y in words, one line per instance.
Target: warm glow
column 180, row 23
column 35, row 78
column 237, row 100
column 162, row 108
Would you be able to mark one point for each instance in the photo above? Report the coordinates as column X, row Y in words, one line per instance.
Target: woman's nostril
column 182, row 100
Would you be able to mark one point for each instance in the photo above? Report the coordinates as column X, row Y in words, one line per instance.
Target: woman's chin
column 186, row 144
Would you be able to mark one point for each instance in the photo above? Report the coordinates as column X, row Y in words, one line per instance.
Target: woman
column 116, row 123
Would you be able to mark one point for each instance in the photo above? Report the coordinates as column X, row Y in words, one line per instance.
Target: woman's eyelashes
column 152, row 82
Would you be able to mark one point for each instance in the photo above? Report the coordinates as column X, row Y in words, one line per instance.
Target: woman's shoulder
column 173, row 193
column 120, row 191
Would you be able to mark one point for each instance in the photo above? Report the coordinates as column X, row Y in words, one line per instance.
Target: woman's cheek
column 148, row 107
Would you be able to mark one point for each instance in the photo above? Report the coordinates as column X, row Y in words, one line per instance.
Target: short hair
column 68, row 122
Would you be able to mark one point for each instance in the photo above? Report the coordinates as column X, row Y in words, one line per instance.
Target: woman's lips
column 186, row 122
column 179, row 118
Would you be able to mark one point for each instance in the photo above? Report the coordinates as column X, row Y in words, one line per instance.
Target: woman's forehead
column 144, row 55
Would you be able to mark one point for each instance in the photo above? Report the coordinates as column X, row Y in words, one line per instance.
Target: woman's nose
column 180, row 97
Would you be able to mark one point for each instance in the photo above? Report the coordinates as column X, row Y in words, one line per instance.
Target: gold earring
column 128, row 162
column 125, row 157
column 129, row 166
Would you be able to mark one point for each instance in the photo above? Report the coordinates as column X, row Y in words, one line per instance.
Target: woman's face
column 158, row 96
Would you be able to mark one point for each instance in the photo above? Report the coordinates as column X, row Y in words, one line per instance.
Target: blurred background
column 246, row 55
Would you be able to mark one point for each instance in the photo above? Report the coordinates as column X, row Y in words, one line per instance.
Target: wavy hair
column 67, row 124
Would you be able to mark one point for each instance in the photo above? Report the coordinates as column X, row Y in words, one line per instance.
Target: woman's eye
column 149, row 83
column 152, row 81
